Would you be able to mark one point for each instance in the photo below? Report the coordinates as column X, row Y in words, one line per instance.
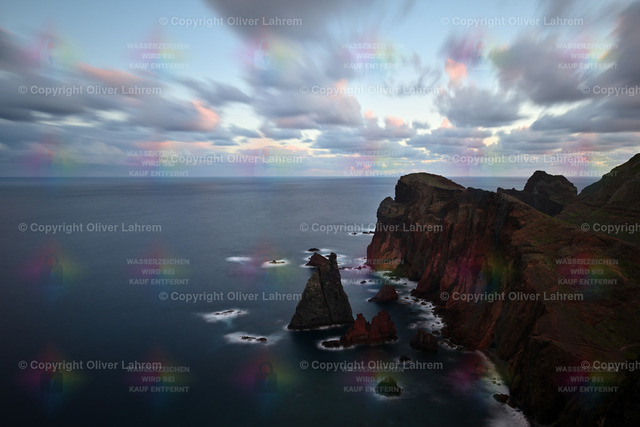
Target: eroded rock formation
column 380, row 330
column 528, row 286
column 323, row 301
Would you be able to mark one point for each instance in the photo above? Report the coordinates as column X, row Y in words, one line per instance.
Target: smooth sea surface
column 78, row 297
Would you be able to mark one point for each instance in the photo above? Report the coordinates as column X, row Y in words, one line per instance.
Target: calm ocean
column 87, row 296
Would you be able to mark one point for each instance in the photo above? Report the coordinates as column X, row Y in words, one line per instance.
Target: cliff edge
column 538, row 292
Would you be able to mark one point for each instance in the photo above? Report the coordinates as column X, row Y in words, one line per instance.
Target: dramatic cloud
column 350, row 78
column 394, row 129
column 540, row 69
column 472, row 107
column 545, row 142
column 215, row 93
column 451, row 140
column 295, row 108
column 280, row 134
column 530, row 141
column 23, row 98
column 370, row 137
column 626, row 52
column 597, row 117
column 314, row 16
column 612, row 98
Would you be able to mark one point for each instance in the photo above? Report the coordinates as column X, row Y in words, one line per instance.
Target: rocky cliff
column 612, row 201
column 547, row 193
column 537, row 292
column 323, row 301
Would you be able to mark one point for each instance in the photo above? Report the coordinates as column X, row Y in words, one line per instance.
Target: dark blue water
column 75, row 296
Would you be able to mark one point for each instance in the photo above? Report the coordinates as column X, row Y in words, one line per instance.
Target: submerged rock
column 388, row 387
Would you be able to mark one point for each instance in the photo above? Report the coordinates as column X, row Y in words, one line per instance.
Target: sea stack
column 323, row 302
column 380, row 330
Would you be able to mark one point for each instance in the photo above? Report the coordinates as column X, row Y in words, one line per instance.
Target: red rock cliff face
column 468, row 248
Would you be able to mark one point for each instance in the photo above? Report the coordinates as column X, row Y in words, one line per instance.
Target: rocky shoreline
column 485, row 244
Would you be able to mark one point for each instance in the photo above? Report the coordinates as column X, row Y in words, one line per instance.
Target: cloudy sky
column 318, row 88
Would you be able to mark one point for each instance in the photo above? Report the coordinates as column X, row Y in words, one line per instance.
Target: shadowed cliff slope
column 538, row 292
column 612, row 201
